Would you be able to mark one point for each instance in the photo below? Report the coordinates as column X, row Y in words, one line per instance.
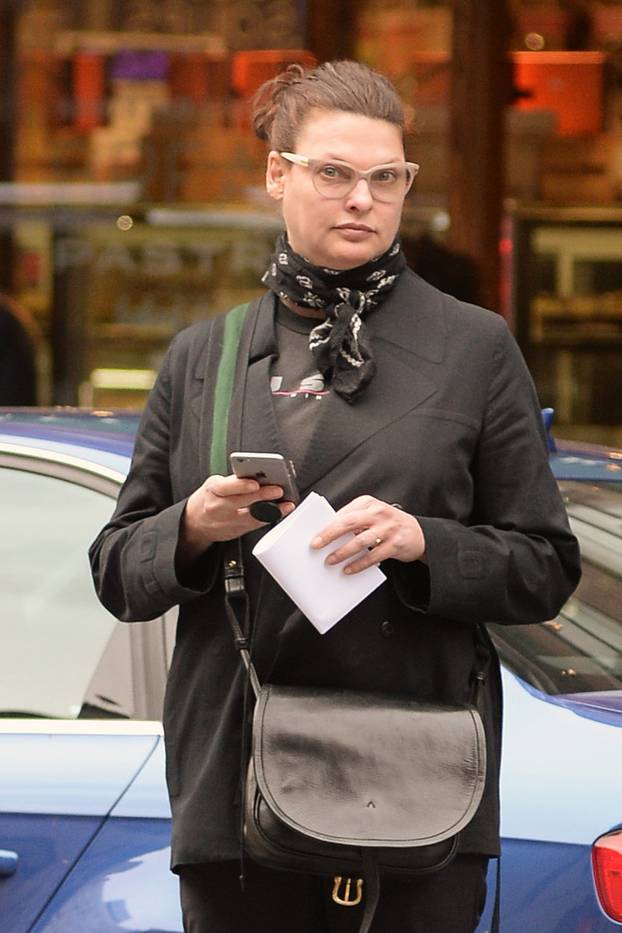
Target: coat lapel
column 413, row 319
column 407, row 328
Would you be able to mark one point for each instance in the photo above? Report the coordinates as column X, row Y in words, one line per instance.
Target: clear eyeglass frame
column 339, row 185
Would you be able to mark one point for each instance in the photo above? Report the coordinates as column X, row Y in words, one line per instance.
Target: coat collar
column 410, row 326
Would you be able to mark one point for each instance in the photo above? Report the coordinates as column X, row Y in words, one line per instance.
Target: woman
column 382, row 390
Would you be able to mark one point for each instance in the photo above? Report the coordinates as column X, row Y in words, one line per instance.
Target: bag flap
column 367, row 769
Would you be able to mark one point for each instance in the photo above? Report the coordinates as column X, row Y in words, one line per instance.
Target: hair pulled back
column 281, row 105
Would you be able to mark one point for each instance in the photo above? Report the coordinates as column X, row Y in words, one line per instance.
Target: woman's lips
column 354, row 231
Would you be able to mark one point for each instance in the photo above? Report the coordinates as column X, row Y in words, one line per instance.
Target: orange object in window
column 568, row 83
column 89, row 90
column 251, row 68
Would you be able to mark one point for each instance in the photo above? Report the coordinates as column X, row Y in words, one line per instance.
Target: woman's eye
column 387, row 176
column 334, row 172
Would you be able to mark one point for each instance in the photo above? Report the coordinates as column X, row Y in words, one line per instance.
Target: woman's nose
column 360, row 197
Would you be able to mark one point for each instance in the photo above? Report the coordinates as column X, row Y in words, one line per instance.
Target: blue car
column 84, row 815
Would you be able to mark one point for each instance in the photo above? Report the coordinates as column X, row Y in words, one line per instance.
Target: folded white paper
column 323, row 593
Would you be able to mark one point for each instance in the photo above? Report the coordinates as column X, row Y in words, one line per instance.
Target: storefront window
column 138, row 202
column 569, row 309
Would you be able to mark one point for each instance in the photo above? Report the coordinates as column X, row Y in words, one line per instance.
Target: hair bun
column 292, row 75
column 266, row 100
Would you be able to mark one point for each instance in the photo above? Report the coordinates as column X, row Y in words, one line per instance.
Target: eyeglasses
column 336, row 179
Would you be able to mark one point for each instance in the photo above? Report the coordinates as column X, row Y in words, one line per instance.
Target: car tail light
column 607, row 867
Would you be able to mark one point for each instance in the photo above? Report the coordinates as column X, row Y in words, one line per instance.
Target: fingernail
column 317, row 542
column 331, row 560
column 348, row 570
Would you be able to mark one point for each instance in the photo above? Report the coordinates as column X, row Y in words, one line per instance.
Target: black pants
column 448, row 901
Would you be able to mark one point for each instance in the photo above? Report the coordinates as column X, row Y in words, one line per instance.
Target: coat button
column 387, row 629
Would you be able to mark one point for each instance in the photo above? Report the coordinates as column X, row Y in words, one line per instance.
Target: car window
column 581, row 650
column 59, row 646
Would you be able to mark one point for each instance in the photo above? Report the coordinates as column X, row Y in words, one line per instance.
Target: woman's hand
column 384, row 530
column 219, row 511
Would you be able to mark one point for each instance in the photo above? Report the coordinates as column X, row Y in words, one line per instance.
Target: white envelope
column 324, row 594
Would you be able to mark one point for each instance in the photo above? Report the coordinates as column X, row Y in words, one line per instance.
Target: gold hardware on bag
column 346, row 900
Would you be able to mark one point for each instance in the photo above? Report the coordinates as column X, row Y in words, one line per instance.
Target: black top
column 296, row 385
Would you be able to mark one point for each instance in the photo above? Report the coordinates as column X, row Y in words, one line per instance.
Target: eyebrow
column 338, row 158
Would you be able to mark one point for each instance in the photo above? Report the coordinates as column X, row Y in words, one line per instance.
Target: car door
column 80, row 694
column 562, row 754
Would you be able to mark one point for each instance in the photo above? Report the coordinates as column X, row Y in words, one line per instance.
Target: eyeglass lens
column 335, row 180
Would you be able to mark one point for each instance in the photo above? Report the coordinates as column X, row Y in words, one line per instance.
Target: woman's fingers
column 380, row 531
column 239, row 493
column 369, row 560
column 356, row 517
column 219, row 509
column 372, row 541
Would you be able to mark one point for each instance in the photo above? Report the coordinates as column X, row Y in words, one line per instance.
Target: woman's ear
column 275, row 175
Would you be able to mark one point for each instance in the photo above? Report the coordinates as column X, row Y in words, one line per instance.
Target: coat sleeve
column 133, row 557
column 517, row 560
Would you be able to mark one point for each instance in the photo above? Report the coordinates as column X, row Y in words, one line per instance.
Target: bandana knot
column 340, row 344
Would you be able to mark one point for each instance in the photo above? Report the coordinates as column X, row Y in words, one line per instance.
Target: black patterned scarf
column 340, row 344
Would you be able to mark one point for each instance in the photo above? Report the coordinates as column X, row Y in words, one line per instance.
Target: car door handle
column 8, row 863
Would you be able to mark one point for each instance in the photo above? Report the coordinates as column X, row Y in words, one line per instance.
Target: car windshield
column 581, row 650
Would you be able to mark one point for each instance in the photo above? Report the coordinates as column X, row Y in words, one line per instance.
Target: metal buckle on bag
column 234, row 578
column 346, row 900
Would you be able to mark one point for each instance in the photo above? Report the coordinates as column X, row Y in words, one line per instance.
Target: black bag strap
column 235, row 589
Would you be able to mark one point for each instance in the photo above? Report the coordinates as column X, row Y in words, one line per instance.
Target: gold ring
column 377, row 542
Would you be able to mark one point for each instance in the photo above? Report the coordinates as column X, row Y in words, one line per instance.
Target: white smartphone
column 268, row 470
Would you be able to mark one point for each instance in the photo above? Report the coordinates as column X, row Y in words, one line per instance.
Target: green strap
column 234, row 321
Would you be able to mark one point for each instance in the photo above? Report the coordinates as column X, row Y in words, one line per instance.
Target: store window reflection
column 137, row 204
column 569, row 302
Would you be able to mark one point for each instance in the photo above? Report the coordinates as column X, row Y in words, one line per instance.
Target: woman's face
column 348, row 231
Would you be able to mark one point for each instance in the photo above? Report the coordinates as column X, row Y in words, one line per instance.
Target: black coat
column 450, row 428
